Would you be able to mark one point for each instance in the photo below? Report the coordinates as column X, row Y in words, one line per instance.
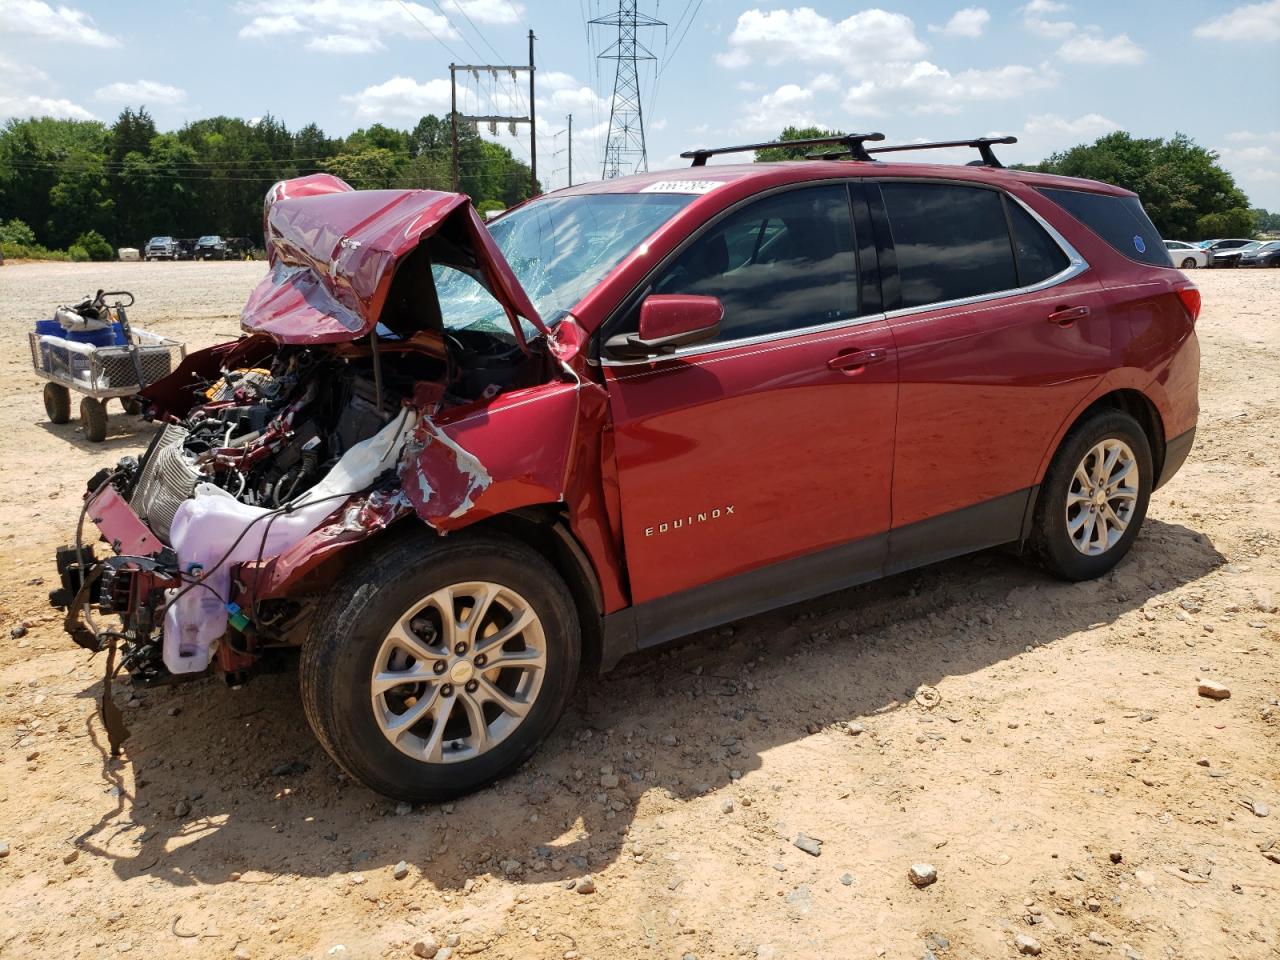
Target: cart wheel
column 132, row 406
column 57, row 402
column 93, row 418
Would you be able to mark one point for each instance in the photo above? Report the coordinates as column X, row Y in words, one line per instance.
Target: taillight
column 1190, row 297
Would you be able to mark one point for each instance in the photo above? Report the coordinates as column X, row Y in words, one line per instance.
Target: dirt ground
column 1070, row 786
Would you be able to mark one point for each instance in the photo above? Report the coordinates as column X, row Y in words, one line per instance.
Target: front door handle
column 1066, row 316
column 852, row 361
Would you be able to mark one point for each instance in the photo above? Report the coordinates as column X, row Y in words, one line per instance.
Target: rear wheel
column 57, row 402
column 1094, row 497
column 93, row 418
column 1188, row 263
column 442, row 665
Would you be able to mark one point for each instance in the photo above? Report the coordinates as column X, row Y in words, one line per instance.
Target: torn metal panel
column 334, row 251
column 441, row 479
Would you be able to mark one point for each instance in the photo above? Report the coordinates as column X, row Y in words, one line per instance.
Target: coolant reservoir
column 193, row 624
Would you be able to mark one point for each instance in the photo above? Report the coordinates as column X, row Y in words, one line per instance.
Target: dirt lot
column 1070, row 786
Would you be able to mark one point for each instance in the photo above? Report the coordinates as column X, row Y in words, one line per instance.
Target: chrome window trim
column 1076, row 265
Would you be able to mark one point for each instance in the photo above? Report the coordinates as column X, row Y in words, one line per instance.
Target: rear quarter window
column 1120, row 221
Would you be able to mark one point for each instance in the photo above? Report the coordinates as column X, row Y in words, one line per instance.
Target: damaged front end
column 281, row 452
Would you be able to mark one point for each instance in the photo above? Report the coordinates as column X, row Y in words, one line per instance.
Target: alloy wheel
column 1102, row 497
column 458, row 672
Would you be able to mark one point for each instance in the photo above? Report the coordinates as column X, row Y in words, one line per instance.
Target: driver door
column 755, row 469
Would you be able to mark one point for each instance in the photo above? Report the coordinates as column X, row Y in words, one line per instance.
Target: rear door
column 1000, row 330
column 774, row 442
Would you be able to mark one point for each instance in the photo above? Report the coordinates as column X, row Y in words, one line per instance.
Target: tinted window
column 951, row 241
column 1120, row 221
column 783, row 263
column 1039, row 256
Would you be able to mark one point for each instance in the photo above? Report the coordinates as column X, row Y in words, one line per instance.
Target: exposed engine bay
column 289, row 440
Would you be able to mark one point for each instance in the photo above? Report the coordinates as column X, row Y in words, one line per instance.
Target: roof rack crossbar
column 981, row 144
column 852, row 143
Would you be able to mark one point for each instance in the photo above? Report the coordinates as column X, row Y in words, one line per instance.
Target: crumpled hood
column 334, row 250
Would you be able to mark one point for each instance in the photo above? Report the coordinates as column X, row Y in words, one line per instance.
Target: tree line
column 1185, row 191
column 75, row 183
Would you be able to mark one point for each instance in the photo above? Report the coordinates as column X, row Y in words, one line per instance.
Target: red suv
column 456, row 463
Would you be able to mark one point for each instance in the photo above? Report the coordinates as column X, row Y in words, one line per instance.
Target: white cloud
column 924, row 88
column 803, row 35
column 1092, row 47
column 19, row 73
column 1035, row 18
column 789, row 105
column 1248, row 136
column 563, row 93
column 400, row 97
column 63, row 24
column 1253, row 22
column 142, row 92
column 825, row 83
column 966, row 22
column 31, row 105
column 344, row 43
column 658, row 124
column 487, row 11
column 367, row 20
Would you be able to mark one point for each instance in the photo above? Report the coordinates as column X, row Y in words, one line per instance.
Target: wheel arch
column 1128, row 400
column 545, row 528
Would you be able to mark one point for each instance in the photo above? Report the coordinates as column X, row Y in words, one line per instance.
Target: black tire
column 1188, row 263
column 93, row 418
column 1051, row 543
column 57, row 402
column 339, row 655
column 132, row 406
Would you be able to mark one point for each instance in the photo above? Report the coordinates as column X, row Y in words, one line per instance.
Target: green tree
column 374, row 168
column 771, row 154
column 1180, row 182
column 1236, row 222
column 15, row 231
column 1266, row 221
column 95, row 244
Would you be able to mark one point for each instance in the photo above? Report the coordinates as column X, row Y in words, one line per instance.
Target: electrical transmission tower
column 624, row 151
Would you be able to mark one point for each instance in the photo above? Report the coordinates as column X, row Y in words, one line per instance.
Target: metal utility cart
column 101, row 372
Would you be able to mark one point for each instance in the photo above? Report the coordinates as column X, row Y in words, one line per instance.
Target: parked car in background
column 1264, row 255
column 1223, row 253
column 580, row 431
column 161, row 248
column 1187, row 255
column 211, row 248
column 186, row 248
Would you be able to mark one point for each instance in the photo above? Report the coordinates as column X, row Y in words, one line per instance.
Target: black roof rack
column 852, row 143
column 981, row 144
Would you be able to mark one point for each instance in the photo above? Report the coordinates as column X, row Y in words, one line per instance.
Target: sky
column 1054, row 73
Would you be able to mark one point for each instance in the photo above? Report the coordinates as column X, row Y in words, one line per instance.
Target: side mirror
column 668, row 321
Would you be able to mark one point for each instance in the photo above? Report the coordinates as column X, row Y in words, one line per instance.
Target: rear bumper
column 1175, row 455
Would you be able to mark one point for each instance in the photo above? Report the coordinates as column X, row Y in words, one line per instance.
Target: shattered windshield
column 559, row 248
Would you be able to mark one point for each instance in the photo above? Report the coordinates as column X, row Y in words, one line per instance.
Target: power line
column 430, row 32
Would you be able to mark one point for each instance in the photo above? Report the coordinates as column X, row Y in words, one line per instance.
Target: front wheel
column 1094, row 497
column 442, row 665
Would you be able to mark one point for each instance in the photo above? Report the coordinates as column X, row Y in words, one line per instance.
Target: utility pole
column 453, row 123
column 571, row 149
column 625, row 146
column 533, row 142
column 493, row 69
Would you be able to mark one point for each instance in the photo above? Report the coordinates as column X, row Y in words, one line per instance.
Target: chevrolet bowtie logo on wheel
column 689, row 521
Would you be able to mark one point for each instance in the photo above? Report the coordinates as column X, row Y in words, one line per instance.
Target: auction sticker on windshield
column 682, row 186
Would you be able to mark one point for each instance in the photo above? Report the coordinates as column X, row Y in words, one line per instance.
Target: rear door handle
column 851, row 361
column 1066, row 316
